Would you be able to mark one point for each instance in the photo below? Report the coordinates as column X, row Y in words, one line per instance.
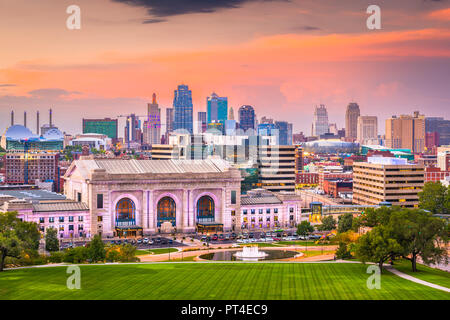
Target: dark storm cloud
column 167, row 8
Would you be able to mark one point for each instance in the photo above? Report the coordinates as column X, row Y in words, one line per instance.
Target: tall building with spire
column 320, row 121
column 183, row 109
column 152, row 127
column 351, row 121
column 231, row 114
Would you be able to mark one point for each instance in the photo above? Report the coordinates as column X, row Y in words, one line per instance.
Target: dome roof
column 18, row 132
column 53, row 134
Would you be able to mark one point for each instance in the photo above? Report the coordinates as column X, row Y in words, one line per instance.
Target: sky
column 283, row 57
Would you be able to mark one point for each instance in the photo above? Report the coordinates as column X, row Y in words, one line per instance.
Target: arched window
column 205, row 209
column 167, row 211
column 125, row 212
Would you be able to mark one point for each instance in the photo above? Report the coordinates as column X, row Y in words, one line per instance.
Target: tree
column 304, row 228
column 97, row 249
column 435, row 198
column 16, row 237
column 342, row 252
column 420, row 235
column 378, row 245
column 345, row 222
column 51, row 240
column 127, row 253
column 328, row 223
column 372, row 217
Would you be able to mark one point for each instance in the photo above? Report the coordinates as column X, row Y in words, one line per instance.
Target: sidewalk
column 411, row 278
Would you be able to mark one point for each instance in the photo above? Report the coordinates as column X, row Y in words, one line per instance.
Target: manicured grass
column 241, row 281
column 316, row 253
column 424, row 273
column 155, row 251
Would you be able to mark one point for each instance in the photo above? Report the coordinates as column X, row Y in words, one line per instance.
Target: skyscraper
column 217, row 108
column 183, row 109
column 201, row 118
column 284, row 133
column 406, row 132
column 169, row 121
column 367, row 130
column 351, row 121
column 320, row 121
column 231, row 114
column 152, row 126
column 246, row 118
column 439, row 126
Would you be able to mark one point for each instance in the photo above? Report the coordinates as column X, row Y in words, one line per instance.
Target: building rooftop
column 259, row 196
column 387, row 160
column 60, row 206
column 119, row 166
column 34, row 195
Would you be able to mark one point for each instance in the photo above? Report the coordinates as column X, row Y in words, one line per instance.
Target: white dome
column 18, row 132
column 53, row 134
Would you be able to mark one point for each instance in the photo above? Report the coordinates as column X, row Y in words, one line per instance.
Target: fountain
column 250, row 253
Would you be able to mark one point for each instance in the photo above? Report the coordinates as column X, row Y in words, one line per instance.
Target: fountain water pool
column 250, row 253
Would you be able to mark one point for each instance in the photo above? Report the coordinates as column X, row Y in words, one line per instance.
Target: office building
column 217, row 108
column 276, row 168
column 106, row 126
column 440, row 126
column 152, row 126
column 247, row 118
column 201, row 121
column 385, row 179
column 320, row 121
column 367, row 130
column 169, row 121
column 406, row 132
column 284, row 133
column 351, row 121
column 183, row 109
column 31, row 168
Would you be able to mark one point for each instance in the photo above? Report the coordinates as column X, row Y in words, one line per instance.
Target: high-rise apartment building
column 277, row 167
column 351, row 121
column 246, row 118
column 387, row 179
column 231, row 114
column 152, row 127
column 407, row 132
column 183, row 109
column 367, row 130
column 217, row 108
column 320, row 121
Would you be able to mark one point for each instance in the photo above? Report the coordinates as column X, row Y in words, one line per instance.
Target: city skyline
column 299, row 55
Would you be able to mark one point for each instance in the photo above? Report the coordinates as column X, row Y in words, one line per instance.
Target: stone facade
column 145, row 183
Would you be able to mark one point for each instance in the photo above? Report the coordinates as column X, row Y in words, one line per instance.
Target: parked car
column 221, row 237
column 145, row 240
column 215, row 237
column 203, row 238
column 233, row 236
column 139, row 241
column 170, row 241
column 269, row 239
column 150, row 241
column 251, row 235
column 227, row 236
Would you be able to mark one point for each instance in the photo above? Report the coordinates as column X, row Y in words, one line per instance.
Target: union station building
column 143, row 197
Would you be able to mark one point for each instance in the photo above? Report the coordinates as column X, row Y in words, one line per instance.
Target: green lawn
column 155, row 251
column 425, row 273
column 201, row 281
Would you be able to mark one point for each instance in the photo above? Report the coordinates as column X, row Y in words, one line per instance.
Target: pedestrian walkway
column 413, row 279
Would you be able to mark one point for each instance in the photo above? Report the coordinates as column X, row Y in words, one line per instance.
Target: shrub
column 76, row 255
column 342, row 252
column 56, row 257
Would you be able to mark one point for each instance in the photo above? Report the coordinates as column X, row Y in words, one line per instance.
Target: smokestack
column 12, row 117
column 25, row 119
column 50, row 117
column 37, row 123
